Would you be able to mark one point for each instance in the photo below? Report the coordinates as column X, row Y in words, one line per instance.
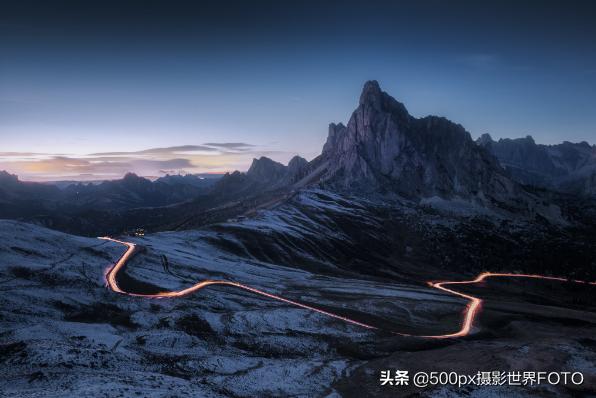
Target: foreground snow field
column 63, row 333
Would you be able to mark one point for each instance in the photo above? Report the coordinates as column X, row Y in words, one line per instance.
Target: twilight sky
column 91, row 90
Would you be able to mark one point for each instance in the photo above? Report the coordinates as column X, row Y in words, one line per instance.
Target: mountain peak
column 530, row 139
column 263, row 161
column 266, row 169
column 484, row 140
column 371, row 93
column 297, row 161
column 6, row 177
column 130, row 176
column 372, row 97
column 384, row 148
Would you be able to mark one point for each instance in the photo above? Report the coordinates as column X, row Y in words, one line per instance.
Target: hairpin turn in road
column 471, row 311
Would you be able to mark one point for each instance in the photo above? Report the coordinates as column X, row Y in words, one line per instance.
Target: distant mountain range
column 27, row 199
column 382, row 151
column 567, row 167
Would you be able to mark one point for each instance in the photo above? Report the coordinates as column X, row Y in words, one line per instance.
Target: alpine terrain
column 308, row 279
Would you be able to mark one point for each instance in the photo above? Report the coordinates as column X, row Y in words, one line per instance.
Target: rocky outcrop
column 567, row 167
column 266, row 170
column 298, row 168
column 384, row 148
column 263, row 175
column 270, row 172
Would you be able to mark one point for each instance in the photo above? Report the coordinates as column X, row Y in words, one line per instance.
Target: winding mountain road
column 471, row 311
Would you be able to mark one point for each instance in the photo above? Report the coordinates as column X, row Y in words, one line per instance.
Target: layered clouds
column 153, row 162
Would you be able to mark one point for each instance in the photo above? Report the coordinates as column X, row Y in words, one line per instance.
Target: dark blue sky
column 78, row 78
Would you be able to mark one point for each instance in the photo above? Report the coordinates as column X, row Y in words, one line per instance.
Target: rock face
column 567, row 167
column 266, row 170
column 384, row 148
column 275, row 174
column 264, row 175
column 297, row 169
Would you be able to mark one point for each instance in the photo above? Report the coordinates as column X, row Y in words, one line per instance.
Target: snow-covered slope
column 63, row 333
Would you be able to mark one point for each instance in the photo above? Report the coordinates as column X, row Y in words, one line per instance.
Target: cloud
column 157, row 151
column 70, row 167
column 238, row 146
column 153, row 162
column 172, row 150
column 20, row 154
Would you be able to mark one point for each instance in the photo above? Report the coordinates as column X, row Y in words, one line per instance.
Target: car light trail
column 110, row 277
column 471, row 311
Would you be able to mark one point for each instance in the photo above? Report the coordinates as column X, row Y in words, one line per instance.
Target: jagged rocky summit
column 383, row 149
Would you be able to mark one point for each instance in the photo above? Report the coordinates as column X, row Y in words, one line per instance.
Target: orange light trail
column 471, row 310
